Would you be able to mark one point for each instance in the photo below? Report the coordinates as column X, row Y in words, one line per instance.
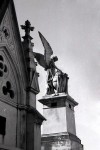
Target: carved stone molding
column 6, row 32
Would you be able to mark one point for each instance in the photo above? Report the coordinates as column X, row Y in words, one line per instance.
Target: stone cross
column 27, row 27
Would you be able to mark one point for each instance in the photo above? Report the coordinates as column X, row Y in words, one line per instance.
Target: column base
column 61, row 141
column 6, row 147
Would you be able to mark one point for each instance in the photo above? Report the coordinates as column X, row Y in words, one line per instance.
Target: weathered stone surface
column 18, row 87
column 59, row 131
column 60, row 117
column 61, row 141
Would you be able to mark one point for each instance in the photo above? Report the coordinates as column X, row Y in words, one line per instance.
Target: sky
column 72, row 27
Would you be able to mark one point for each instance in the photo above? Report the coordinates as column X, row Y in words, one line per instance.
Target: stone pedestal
column 59, row 131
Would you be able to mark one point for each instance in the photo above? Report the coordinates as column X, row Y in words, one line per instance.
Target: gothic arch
column 11, row 80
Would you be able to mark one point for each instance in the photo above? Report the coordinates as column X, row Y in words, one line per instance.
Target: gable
column 13, row 81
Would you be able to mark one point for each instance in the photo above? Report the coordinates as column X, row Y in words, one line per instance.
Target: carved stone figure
column 56, row 79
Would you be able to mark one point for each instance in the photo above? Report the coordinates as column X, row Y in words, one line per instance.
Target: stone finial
column 27, row 27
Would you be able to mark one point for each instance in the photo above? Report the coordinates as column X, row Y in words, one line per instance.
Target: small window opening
column 2, row 125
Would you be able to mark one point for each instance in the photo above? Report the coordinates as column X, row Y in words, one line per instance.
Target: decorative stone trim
column 60, row 136
column 46, row 100
column 6, row 147
column 37, row 117
column 33, row 90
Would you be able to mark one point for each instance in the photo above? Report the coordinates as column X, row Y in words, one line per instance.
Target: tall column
column 33, row 118
column 32, row 85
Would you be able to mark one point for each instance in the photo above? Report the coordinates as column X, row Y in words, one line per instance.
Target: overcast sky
column 72, row 28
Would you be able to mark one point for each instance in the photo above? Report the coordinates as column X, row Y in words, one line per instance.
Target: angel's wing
column 40, row 59
column 48, row 49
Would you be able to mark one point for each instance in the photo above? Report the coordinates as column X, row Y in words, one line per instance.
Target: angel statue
column 53, row 72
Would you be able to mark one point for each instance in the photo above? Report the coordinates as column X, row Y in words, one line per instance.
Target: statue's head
column 55, row 58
